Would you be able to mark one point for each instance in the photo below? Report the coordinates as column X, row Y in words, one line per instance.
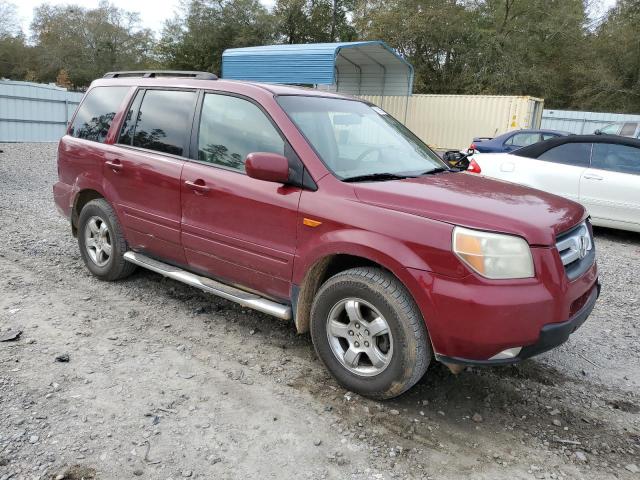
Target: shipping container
column 34, row 112
column 448, row 122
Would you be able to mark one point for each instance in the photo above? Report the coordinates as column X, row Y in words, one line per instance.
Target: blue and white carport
column 352, row 68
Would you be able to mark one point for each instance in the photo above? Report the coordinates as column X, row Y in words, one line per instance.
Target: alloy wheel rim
column 359, row 337
column 97, row 241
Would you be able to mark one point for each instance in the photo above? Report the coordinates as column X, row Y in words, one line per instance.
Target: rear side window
column 231, row 128
column 163, row 122
column 616, row 158
column 94, row 117
column 629, row 129
column 576, row 154
column 523, row 139
column 548, row 136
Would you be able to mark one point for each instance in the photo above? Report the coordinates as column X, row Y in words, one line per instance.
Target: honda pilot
column 326, row 211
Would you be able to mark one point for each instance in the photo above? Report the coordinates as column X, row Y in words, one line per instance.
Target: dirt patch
column 164, row 381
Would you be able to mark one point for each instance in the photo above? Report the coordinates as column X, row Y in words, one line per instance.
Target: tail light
column 474, row 167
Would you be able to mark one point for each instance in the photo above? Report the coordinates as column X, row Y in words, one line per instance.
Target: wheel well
column 84, row 197
column 319, row 273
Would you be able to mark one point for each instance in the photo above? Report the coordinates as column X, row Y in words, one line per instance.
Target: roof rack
column 161, row 73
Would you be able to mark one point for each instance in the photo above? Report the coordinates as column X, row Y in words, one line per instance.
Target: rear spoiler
column 480, row 139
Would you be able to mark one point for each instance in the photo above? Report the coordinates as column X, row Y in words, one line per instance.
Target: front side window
column 616, row 158
column 576, row 154
column 354, row 139
column 164, row 121
column 231, row 128
column 94, row 117
column 611, row 129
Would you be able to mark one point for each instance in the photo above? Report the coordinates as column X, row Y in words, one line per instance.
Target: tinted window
column 94, row 117
column 618, row 158
column 523, row 139
column 164, row 121
column 231, row 128
column 129, row 124
column 576, row 154
column 547, row 136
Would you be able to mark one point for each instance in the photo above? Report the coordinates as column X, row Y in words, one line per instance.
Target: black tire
column 411, row 352
column 115, row 267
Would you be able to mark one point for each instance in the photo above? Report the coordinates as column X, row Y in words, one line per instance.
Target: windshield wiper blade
column 376, row 176
column 437, row 170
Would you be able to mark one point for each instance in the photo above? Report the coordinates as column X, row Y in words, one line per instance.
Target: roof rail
column 161, row 73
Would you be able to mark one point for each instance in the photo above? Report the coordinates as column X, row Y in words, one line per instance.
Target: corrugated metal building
column 451, row 121
column 34, row 112
column 582, row 122
column 353, row 68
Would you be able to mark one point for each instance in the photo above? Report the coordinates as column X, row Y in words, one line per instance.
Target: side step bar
column 246, row 299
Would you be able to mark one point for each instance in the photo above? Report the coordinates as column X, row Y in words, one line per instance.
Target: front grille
column 576, row 250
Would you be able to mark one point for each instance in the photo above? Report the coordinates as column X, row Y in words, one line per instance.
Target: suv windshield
column 358, row 141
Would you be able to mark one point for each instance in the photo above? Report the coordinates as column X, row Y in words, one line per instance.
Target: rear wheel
column 368, row 331
column 102, row 243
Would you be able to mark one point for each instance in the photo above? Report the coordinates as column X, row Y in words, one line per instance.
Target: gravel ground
column 165, row 382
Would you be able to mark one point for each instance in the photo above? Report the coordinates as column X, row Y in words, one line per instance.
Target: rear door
column 610, row 189
column 234, row 227
column 142, row 171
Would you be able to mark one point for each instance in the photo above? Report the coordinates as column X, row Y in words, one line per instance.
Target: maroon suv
column 325, row 210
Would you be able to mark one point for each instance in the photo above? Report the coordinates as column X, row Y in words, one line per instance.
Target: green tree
column 196, row 39
column 611, row 78
column 311, row 21
column 89, row 42
column 434, row 35
column 16, row 57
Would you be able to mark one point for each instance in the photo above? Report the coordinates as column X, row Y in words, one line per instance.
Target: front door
column 610, row 189
column 142, row 170
column 234, row 227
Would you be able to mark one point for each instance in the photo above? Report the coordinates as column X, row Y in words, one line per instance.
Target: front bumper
column 551, row 336
column 472, row 319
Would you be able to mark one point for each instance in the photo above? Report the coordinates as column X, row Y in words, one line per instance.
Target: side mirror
column 598, row 132
column 269, row 167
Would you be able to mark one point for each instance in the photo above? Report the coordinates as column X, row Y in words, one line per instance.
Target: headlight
column 493, row 255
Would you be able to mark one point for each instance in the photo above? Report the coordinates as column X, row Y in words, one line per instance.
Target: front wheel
column 368, row 331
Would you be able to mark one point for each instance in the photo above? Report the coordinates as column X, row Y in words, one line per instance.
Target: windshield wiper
column 376, row 176
column 437, row 170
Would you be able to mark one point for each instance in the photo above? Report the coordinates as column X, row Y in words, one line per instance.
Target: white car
column 601, row 172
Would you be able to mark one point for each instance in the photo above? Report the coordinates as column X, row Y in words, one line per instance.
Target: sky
column 153, row 13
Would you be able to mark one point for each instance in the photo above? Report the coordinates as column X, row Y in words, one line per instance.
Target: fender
column 313, row 258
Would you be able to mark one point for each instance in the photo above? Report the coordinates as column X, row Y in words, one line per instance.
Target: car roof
column 537, row 149
column 188, row 82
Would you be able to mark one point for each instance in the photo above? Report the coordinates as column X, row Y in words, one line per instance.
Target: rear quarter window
column 95, row 114
column 576, row 154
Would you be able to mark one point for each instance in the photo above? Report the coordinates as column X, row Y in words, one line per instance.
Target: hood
column 478, row 202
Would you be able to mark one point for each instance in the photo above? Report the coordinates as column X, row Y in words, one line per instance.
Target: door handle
column 198, row 186
column 114, row 165
column 591, row 176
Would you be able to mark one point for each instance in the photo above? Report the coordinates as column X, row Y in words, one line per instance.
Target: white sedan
column 600, row 171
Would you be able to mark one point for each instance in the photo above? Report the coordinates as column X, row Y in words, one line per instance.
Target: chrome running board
column 246, row 299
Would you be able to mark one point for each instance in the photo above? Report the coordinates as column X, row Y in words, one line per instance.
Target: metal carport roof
column 355, row 68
